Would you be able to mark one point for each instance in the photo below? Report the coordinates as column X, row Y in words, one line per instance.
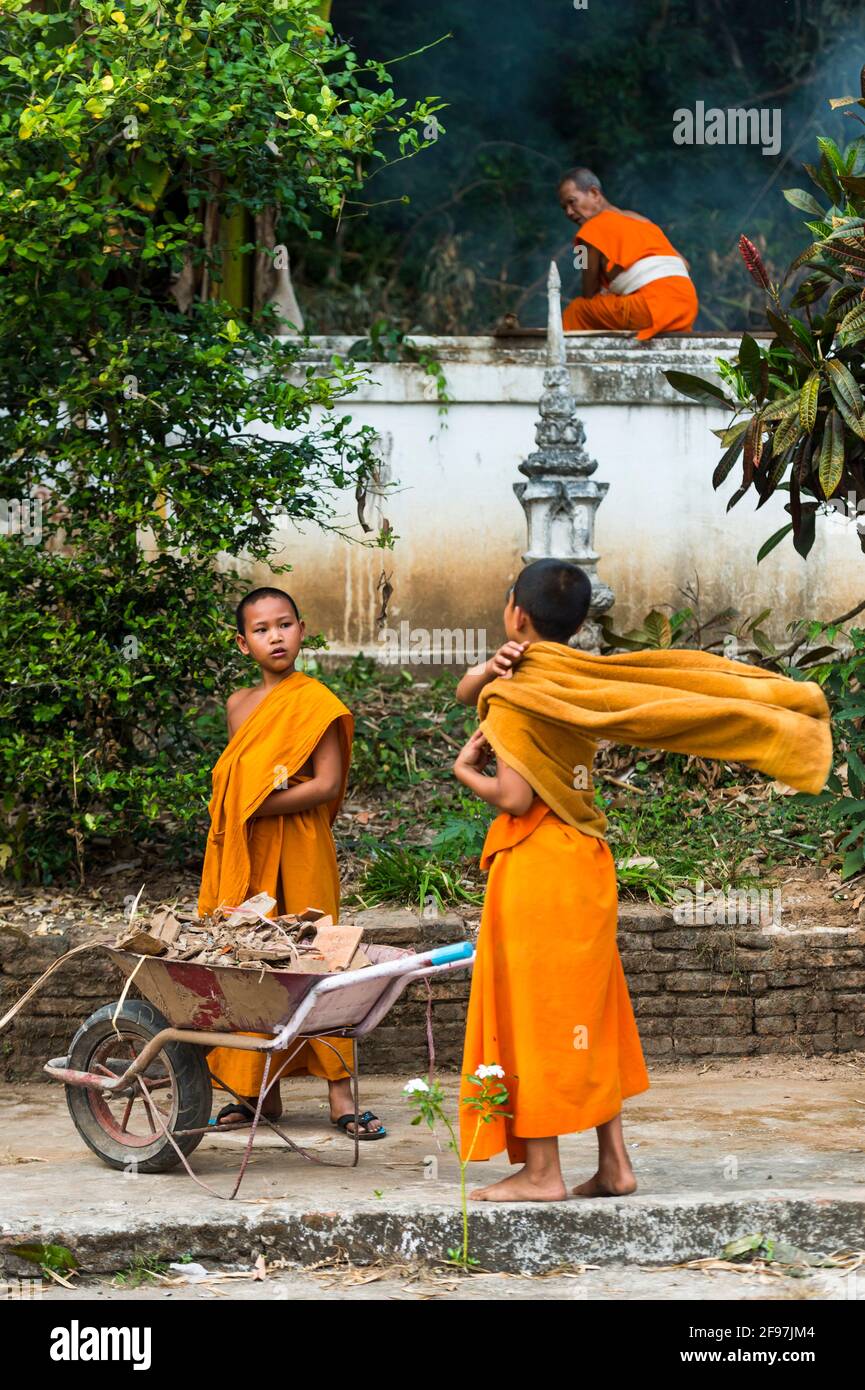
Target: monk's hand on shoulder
column 475, row 753
column 506, row 658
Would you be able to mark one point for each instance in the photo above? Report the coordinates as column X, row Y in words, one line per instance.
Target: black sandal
column 351, row 1118
column 226, row 1110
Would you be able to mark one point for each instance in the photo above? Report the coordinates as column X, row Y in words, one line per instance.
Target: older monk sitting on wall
column 632, row 276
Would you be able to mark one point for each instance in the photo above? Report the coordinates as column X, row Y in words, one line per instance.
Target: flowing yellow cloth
column 291, row 857
column 545, row 720
column 549, row 1002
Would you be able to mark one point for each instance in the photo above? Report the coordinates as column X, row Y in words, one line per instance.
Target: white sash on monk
column 645, row 271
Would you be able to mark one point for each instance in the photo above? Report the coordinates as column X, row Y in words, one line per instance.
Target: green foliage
column 674, row 825
column 413, row 875
column 798, row 409
column 658, row 632
column 726, row 632
column 159, row 431
column 48, row 1257
column 144, row 1269
column 843, row 679
column 463, row 828
column 763, row 1250
column 407, row 732
column 386, row 342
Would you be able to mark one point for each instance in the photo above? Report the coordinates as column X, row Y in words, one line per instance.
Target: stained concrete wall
column 460, row 529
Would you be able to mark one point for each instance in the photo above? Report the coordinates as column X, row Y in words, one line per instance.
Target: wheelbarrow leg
column 355, row 1088
column 355, row 1100
column 262, row 1092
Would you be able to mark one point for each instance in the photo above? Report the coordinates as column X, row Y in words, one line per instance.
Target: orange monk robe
column 292, row 857
column 549, row 1002
column 663, row 306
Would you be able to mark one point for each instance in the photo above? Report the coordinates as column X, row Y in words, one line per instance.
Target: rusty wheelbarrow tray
column 193, row 1008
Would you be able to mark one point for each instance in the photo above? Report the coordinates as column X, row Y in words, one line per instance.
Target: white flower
column 417, row 1084
column 493, row 1069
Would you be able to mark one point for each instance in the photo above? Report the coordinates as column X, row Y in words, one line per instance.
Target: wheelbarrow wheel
column 125, row 1128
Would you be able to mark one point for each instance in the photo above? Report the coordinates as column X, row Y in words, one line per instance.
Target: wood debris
column 247, row 938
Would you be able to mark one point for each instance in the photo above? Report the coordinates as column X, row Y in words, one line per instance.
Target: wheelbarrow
column 138, row 1084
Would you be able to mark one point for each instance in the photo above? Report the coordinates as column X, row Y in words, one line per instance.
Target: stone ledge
column 606, row 368
column 523, row 1238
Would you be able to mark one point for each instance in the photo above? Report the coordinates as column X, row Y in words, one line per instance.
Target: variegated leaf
column 657, row 626
column 853, row 323
column 842, row 297
column 786, row 434
column 846, row 384
column 753, row 445
column 808, row 402
column 831, row 466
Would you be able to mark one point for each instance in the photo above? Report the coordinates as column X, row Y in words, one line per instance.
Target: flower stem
column 463, row 1165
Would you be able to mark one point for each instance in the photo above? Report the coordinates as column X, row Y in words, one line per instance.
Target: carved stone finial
column 555, row 332
column 560, row 498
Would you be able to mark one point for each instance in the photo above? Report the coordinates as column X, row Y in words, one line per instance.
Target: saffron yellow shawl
column 266, row 752
column 545, row 720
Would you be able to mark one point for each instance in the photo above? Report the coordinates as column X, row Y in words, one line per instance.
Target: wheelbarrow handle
column 398, row 973
column 443, row 954
column 402, row 965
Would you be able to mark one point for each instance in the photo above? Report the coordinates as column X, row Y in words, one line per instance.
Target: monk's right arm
column 320, row 788
column 477, row 677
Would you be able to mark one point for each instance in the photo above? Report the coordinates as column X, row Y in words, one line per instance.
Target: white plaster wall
column 460, row 529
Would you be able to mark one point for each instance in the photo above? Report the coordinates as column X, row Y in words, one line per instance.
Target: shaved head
column 583, row 178
column 254, row 597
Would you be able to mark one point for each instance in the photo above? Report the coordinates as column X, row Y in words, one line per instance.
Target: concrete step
column 517, row 1238
column 718, row 1155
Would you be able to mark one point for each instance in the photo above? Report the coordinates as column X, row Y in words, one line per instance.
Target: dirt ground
column 813, row 898
column 406, row 1285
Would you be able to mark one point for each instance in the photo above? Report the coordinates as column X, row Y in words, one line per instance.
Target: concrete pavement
column 721, row 1150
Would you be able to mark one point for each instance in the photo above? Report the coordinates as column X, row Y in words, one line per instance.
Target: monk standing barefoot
column 549, row 1002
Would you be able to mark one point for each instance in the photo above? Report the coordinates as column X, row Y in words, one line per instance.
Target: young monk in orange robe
column 277, row 789
column 634, row 277
column 549, row 1002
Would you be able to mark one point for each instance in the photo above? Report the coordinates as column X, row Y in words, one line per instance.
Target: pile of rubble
column 247, row 938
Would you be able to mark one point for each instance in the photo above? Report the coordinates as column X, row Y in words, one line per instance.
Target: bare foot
column 520, row 1187
column 617, row 1182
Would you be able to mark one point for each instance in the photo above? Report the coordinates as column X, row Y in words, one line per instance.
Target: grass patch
column 145, row 1269
column 415, row 876
column 734, row 831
